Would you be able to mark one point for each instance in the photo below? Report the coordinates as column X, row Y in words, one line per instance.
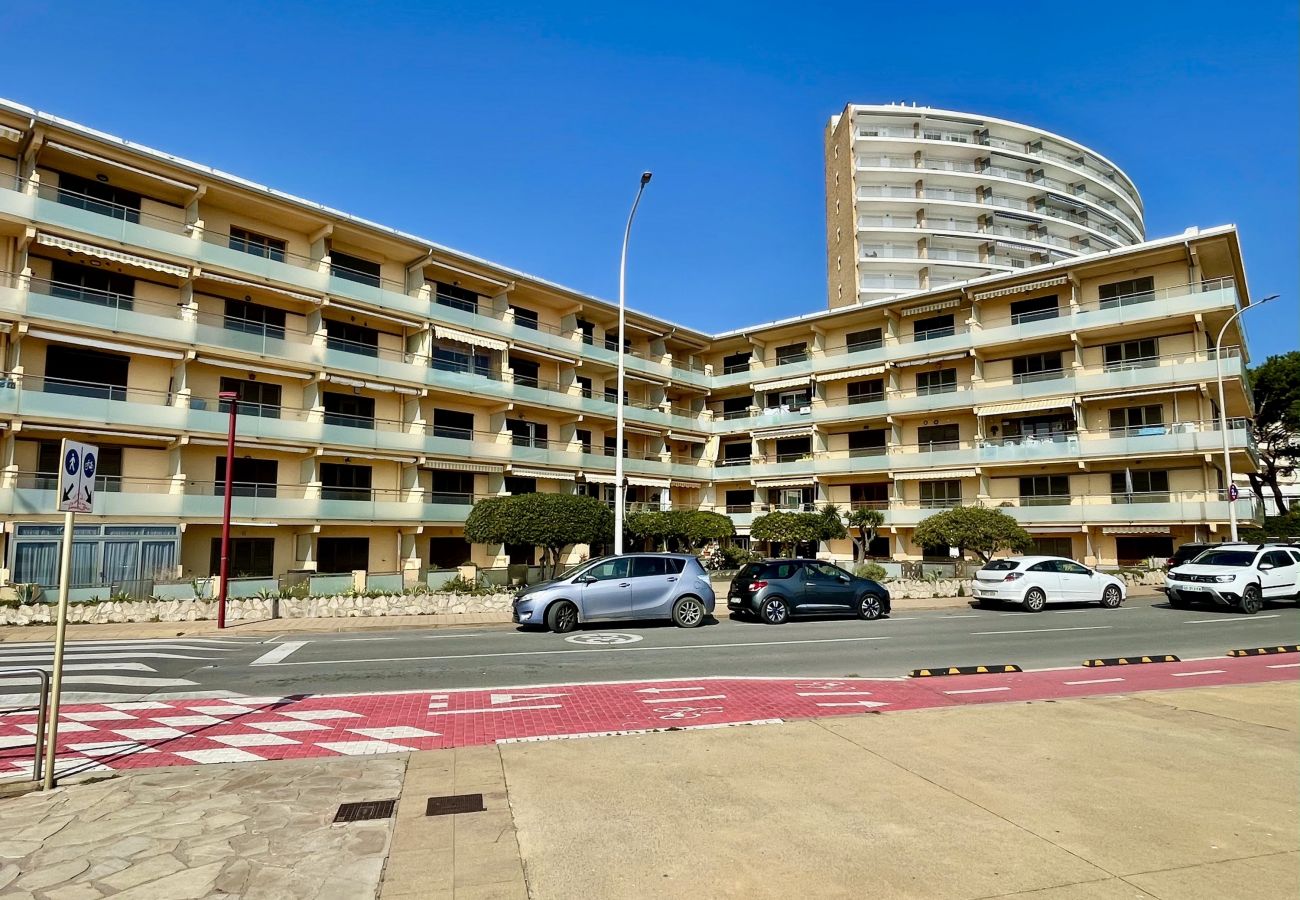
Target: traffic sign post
column 76, row 493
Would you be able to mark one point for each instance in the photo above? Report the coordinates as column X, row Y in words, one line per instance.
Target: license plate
column 1193, row 587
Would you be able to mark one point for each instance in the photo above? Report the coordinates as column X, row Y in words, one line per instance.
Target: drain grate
column 365, row 811
column 454, row 804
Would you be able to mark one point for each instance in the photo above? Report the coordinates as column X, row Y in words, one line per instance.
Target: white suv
column 1237, row 575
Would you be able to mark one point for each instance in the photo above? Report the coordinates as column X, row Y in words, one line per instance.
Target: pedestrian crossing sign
column 76, row 491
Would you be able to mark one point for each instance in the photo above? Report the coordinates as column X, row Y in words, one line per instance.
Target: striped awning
column 798, row 381
column 378, row 386
column 245, row 283
column 466, row 337
column 126, row 259
column 1003, row 409
column 860, row 372
column 66, row 337
column 458, row 465
column 641, row 481
column 1149, row 392
column 926, row 360
column 1022, row 288
column 805, row 481
column 689, row 438
column 790, row 432
column 544, row 473
column 1135, row 529
column 935, row 474
column 599, row 478
column 931, row 307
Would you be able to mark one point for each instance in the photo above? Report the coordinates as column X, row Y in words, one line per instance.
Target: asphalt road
column 506, row 656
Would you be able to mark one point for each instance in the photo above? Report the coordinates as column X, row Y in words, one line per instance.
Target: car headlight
column 1224, row 579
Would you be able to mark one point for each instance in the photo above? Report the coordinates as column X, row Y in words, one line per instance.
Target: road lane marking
column 1284, row 666
column 685, row 699
column 832, row 693
column 491, row 709
column 1042, row 630
column 1205, row 672
column 277, row 653
column 1068, row 612
column 865, row 704
column 389, row 659
column 1095, row 681
column 979, row 690
column 656, row 690
column 498, row 699
column 971, row 616
column 1224, row 619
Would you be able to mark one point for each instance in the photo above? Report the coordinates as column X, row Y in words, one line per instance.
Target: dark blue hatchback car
column 776, row 589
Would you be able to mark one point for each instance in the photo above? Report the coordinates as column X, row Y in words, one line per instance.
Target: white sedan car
column 1035, row 581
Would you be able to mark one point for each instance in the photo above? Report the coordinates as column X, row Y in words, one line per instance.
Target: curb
column 1265, row 651
column 965, row 670
column 1130, row 660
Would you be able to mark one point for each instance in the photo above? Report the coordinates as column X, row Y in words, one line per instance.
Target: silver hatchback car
column 632, row 586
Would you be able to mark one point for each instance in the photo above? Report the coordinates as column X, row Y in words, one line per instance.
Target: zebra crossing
column 107, row 671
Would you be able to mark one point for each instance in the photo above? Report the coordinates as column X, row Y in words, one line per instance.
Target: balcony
column 1167, row 508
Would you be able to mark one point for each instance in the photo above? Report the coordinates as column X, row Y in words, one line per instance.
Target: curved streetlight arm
column 619, row 490
column 1223, row 412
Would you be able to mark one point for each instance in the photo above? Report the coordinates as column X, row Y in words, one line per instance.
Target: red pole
column 233, row 399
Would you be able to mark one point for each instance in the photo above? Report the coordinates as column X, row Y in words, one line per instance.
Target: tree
column 702, row 526
column 649, row 526
column 678, row 529
column 830, row 524
column 863, row 525
column 787, row 528
column 977, row 528
column 553, row 522
column 1276, row 387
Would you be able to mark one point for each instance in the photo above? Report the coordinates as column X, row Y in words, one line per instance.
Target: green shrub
column 874, row 571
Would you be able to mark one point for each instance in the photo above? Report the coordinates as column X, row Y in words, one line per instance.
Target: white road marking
column 1095, row 681
column 145, row 643
column 1041, row 630
column 979, row 690
column 971, row 616
column 497, row 699
column 832, row 693
column 111, row 667
column 1226, row 619
column 1067, row 612
column 1285, row 666
column 492, row 709
column 685, row 699
column 279, row 652
column 123, row 680
column 666, row 690
column 48, row 657
column 867, row 704
column 1205, row 672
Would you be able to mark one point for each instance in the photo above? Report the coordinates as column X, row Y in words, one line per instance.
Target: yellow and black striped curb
column 1130, row 660
column 1265, row 651
column 965, row 670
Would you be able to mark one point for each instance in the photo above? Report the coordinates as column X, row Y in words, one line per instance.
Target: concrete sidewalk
column 1177, row 794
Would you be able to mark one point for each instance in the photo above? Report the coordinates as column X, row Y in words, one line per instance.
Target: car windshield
column 1001, row 565
column 750, row 570
column 574, row 570
column 1236, row 558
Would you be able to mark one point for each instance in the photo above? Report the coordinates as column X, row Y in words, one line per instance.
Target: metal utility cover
column 453, row 804
column 365, row 810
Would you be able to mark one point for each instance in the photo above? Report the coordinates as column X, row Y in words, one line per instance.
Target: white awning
column 1148, row 392
column 257, row 285
column 387, row 317
column 641, row 481
column 185, row 186
column 792, row 431
column 245, row 367
column 1053, row 529
column 465, row 337
column 567, row 360
column 689, row 438
column 637, row 429
column 371, row 385
column 64, row 337
column 1022, row 288
column 387, row 457
column 10, row 134
column 926, row 360
column 860, row 372
column 1002, row 409
column 126, row 259
column 1135, row 529
column 932, row 307
column 806, row 481
column 935, row 474
column 456, row 465
column 799, row 381
column 599, row 478
column 646, row 379
column 544, row 473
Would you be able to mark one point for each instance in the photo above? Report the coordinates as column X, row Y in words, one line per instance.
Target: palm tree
column 863, row 524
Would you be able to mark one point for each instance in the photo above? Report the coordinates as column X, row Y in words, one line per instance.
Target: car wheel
column 1251, row 600
column 562, row 617
column 1035, row 600
column 774, row 611
column 688, row 612
column 869, row 607
column 1111, row 597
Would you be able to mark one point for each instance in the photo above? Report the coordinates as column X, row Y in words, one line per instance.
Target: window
column 354, row 268
column 256, row 398
column 584, row 385
column 1132, row 355
column 342, row 554
column 797, row 499
column 448, row 552
column 257, row 244
column 349, row 410
column 48, row 462
column 1036, row 367
column 938, row 437
column 249, row 478
column 450, row 423
column 91, row 285
column 736, row 407
column 526, row 434
column 870, row 339
column 351, row 338
column 823, row 572
column 793, row 449
column 342, row 481
column 1278, row 559
column 455, row 296
column 1047, row 427
column 869, row 496
column 940, row 494
column 524, row 318
column 525, row 371
column 736, row 453
column 99, row 197
column 611, row 447
column 1034, row 309
column 249, row 557
column 867, row 442
column 584, row 439
column 1052, row 546
column 69, row 370
column 1139, row 486
column 791, row 353
column 588, row 331
column 790, row 400
column 611, row 341
column 1138, row 421
column 451, row 487
column 1122, row 293
column 944, row 381
column 610, row 569
column 741, row 501
column 649, row 566
column 108, row 470
column 455, row 359
column 1045, row 490
column 933, row 327
column 869, row 391
column 517, row 484
column 1137, row 551
column 736, row 362
column 254, row 318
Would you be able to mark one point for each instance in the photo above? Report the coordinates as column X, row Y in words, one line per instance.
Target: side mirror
column 1264, row 567
column 843, row 578
column 584, row 579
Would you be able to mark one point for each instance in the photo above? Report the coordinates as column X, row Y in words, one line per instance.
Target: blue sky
column 518, row 132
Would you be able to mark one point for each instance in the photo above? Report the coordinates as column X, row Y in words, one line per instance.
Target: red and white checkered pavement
column 142, row 734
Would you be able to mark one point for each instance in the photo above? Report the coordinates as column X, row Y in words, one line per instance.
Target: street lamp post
column 1223, row 413
column 619, row 489
column 232, row 398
